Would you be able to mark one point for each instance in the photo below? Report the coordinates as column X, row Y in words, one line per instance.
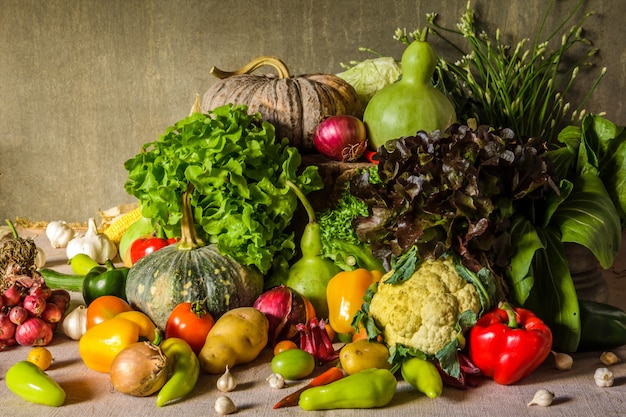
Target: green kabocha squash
column 191, row 271
column 410, row 104
column 295, row 105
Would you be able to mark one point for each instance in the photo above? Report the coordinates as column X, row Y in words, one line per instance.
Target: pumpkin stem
column 253, row 65
column 189, row 238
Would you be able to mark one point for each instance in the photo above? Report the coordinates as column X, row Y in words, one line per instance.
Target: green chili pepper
column 369, row 388
column 602, row 326
column 105, row 280
column 423, row 375
column 28, row 381
column 184, row 369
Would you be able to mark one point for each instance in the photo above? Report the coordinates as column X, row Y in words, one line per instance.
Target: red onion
column 34, row 332
column 284, row 309
column 52, row 313
column 18, row 315
column 61, row 298
column 41, row 290
column 341, row 137
column 12, row 296
column 5, row 344
column 35, row 304
column 7, row 327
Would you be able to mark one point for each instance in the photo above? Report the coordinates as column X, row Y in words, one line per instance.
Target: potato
column 363, row 354
column 237, row 337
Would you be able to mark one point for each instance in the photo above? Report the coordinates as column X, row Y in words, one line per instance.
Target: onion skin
column 341, row 137
column 284, row 309
column 139, row 370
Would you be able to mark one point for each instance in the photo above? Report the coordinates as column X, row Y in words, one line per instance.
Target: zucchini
column 58, row 280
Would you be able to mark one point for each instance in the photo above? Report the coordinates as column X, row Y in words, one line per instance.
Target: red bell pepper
column 508, row 344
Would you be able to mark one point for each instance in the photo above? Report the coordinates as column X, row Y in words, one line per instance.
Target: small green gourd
column 412, row 103
column 310, row 274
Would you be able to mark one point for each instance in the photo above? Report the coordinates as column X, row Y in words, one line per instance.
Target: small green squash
column 190, row 271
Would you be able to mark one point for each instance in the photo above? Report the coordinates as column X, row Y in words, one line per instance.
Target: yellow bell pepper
column 102, row 342
column 344, row 294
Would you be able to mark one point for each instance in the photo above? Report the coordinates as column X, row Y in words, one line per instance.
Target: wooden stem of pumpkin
column 253, row 65
column 189, row 238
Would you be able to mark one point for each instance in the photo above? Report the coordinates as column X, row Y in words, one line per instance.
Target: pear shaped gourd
column 412, row 103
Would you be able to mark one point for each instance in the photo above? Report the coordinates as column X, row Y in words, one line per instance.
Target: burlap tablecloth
column 90, row 393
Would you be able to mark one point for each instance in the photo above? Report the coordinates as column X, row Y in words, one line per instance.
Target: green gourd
column 412, row 103
column 190, row 271
column 310, row 274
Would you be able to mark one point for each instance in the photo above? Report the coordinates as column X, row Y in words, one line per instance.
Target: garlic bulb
column 603, row 377
column 609, row 358
column 542, row 397
column 40, row 258
column 224, row 405
column 227, row 381
column 97, row 245
column 563, row 361
column 59, row 233
column 74, row 324
column 275, row 381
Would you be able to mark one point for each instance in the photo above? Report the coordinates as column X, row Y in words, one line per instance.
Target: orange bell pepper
column 103, row 341
column 344, row 294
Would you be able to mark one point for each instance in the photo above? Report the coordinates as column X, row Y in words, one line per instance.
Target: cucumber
column 58, row 280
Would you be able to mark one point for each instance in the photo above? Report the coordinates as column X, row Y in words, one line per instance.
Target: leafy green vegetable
column 371, row 75
column 339, row 241
column 237, row 169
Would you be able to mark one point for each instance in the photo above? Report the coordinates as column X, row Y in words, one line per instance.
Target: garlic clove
column 542, row 397
column 603, row 377
column 227, row 381
column 224, row 405
column 563, row 361
column 609, row 358
column 276, row 381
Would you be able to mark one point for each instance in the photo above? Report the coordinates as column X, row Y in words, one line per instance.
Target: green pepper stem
column 189, row 236
column 510, row 312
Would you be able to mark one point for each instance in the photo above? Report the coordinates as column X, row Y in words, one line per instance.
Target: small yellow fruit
column 41, row 357
column 364, row 354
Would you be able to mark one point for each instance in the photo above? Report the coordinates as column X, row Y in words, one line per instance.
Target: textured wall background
column 83, row 84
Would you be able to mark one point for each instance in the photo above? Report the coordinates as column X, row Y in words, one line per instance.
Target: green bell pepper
column 28, row 381
column 602, row 326
column 369, row 388
column 105, row 280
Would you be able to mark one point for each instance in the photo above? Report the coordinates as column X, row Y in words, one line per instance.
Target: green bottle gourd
column 310, row 274
column 412, row 103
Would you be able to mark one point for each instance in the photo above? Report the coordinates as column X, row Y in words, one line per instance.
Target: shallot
column 34, row 332
column 7, row 327
column 341, row 137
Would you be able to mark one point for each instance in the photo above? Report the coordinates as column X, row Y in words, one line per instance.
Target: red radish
column 18, row 314
column 341, row 137
column 7, row 327
column 34, row 332
column 34, row 304
column 52, row 313
column 11, row 296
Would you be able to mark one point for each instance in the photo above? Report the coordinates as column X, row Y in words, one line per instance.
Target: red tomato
column 105, row 307
column 145, row 245
column 190, row 322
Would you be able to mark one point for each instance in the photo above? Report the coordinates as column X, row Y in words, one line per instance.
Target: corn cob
column 117, row 229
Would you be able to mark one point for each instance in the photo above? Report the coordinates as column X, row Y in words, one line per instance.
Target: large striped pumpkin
column 294, row 105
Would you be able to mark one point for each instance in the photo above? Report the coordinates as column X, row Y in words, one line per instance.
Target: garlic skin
column 563, row 361
column 74, row 324
column 59, row 233
column 604, row 377
column 609, row 358
column 94, row 244
column 224, row 405
column 227, row 381
column 275, row 381
column 543, row 398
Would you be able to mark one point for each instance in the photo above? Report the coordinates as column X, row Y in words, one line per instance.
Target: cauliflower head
column 422, row 312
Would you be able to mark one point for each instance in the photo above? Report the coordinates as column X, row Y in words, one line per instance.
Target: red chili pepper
column 508, row 344
column 330, row 375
